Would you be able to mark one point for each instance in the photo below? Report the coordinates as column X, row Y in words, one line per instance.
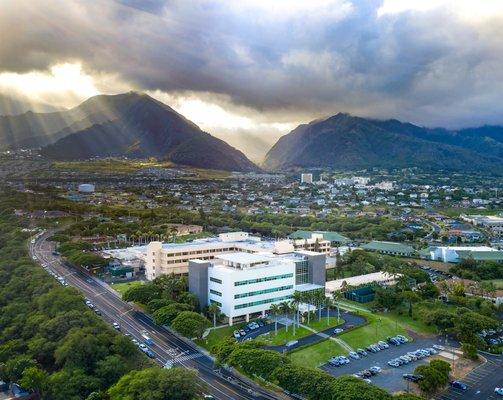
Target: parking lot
column 389, row 378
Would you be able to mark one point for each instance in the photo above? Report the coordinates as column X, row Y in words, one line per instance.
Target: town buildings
column 166, row 258
column 306, row 178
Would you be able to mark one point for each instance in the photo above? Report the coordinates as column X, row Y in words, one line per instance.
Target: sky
column 249, row 71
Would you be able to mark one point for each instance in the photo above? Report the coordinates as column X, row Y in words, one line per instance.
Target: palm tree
column 294, row 308
column 285, row 310
column 297, row 298
column 319, row 297
column 275, row 310
column 328, row 304
column 337, row 296
column 214, row 310
column 308, row 297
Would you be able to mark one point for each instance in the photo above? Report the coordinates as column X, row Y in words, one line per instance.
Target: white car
column 498, row 391
column 142, row 346
column 438, row 347
column 116, row 326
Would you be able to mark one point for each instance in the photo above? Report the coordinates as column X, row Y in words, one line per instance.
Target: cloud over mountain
column 429, row 62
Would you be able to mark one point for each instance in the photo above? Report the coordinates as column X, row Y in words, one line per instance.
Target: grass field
column 317, row 354
column 119, row 166
column 216, row 335
column 409, row 323
column 283, row 336
column 123, row 286
column 378, row 328
column 497, row 282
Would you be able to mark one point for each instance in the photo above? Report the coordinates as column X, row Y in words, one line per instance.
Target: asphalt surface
column 481, row 382
column 167, row 346
column 389, row 378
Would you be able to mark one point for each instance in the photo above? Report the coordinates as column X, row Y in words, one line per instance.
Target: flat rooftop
column 243, row 258
column 201, row 244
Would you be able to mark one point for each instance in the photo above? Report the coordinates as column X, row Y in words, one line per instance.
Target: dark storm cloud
column 431, row 67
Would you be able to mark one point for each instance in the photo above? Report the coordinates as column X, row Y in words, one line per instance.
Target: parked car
column 366, row 373
column 402, row 338
column 438, row 347
column 458, row 385
column 412, row 377
column 338, row 330
column 375, row 369
column 242, row 332
column 116, row 326
column 498, row 391
column 362, row 352
column 236, row 334
column 383, row 344
column 354, row 355
column 393, row 363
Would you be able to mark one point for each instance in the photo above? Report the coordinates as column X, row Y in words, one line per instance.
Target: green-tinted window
column 265, row 279
column 266, row 301
column 264, row 291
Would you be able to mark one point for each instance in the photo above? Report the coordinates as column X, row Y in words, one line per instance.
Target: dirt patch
column 460, row 366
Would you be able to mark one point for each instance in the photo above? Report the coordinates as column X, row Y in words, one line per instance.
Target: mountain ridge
column 345, row 141
column 128, row 124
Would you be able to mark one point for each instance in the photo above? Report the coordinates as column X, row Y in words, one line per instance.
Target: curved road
column 168, row 346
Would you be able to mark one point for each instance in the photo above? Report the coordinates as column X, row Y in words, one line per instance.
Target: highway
column 167, row 347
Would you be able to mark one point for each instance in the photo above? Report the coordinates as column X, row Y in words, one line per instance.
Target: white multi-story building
column 306, row 178
column 454, row 254
column 244, row 284
column 166, row 258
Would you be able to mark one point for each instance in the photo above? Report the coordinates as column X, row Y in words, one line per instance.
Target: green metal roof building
column 391, row 248
column 334, row 237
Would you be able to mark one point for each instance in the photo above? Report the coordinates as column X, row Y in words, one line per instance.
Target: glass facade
column 301, row 272
column 257, row 292
column 215, row 302
column 266, row 279
column 215, row 292
column 215, row 280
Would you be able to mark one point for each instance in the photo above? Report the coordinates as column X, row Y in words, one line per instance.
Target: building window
column 301, row 272
column 265, row 279
column 215, row 280
column 257, row 292
column 259, row 302
column 215, row 292
column 215, row 302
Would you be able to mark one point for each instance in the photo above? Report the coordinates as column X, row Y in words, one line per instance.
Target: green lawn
column 317, row 354
column 123, row 286
column 415, row 325
column 323, row 324
column 283, row 336
column 497, row 282
column 216, row 335
column 378, row 328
